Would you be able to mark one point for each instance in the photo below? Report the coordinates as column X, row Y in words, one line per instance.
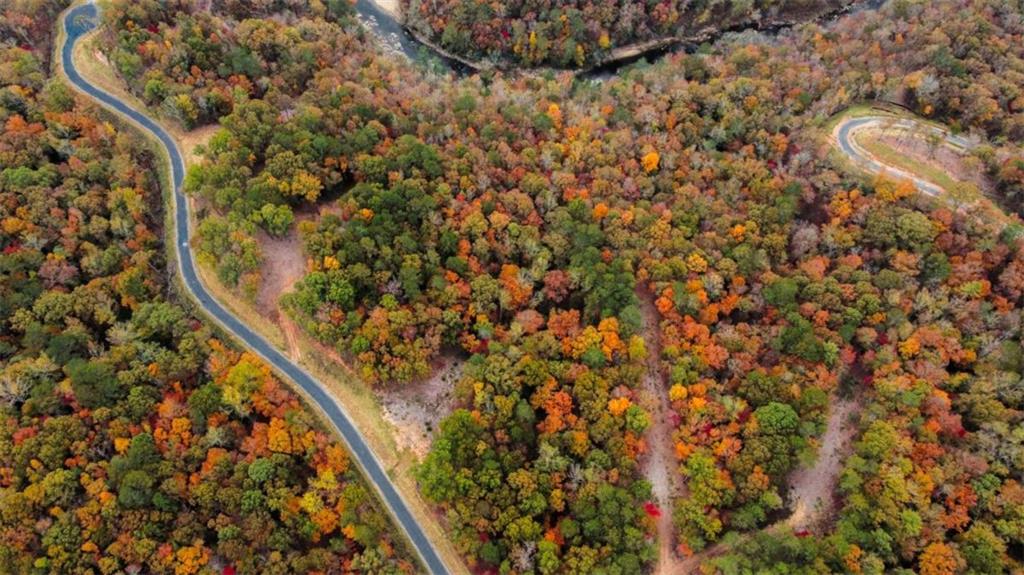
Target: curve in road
column 845, row 133
column 77, row 22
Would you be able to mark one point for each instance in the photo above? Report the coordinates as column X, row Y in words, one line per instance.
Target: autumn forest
column 692, row 330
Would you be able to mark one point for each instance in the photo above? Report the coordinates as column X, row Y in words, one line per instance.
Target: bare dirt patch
column 812, row 490
column 283, row 265
column 659, row 465
column 291, row 336
column 189, row 141
column 284, row 260
column 416, row 410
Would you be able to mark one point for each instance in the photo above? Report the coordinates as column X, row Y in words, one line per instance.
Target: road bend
column 845, row 134
column 77, row 22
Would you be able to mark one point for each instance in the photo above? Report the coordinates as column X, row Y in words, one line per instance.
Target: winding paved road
column 846, row 130
column 77, row 22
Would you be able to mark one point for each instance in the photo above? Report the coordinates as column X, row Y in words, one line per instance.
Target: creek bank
column 413, row 42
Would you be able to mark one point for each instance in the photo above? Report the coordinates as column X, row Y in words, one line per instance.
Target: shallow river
column 396, row 40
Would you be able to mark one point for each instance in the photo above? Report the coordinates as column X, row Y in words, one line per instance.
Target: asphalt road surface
column 847, row 128
column 77, row 22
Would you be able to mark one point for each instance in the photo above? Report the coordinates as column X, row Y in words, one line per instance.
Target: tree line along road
column 77, row 22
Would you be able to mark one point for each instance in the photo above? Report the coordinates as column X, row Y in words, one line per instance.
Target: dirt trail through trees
column 812, row 495
column 659, row 466
column 813, row 489
column 291, row 335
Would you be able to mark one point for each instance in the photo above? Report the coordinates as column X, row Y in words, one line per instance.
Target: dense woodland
column 578, row 34
column 521, row 221
column 131, row 439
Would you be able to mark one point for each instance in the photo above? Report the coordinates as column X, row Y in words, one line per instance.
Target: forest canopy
column 685, row 222
column 132, row 439
column 525, row 222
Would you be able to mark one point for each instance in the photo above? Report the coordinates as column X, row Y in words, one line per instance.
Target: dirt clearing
column 284, row 259
column 283, row 265
column 812, row 492
column 189, row 141
column 416, row 410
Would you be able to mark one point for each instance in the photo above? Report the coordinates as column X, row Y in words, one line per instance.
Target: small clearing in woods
column 812, row 492
column 659, row 465
column 416, row 410
column 189, row 141
column 812, row 495
column 283, row 265
column 284, row 261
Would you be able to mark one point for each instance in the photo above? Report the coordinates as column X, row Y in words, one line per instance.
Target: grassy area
column 357, row 398
column 967, row 194
column 887, row 155
column 883, row 152
column 855, row 111
column 880, row 109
